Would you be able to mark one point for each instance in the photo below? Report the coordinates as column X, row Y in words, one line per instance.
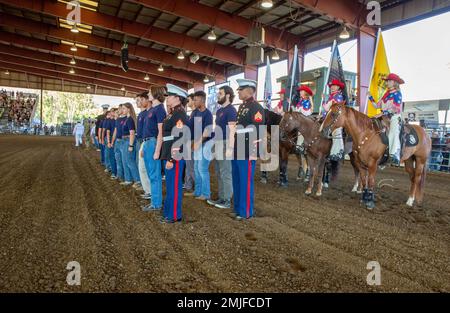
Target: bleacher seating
column 16, row 110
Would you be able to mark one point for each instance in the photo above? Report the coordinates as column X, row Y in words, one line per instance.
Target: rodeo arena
column 224, row 146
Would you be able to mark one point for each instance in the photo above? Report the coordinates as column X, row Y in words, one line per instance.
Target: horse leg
column 356, row 171
column 301, row 166
column 416, row 185
column 312, row 172
column 409, row 168
column 421, row 183
column 283, row 168
column 372, row 170
column 320, row 170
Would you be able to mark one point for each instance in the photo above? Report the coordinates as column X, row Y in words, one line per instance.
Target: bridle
column 334, row 118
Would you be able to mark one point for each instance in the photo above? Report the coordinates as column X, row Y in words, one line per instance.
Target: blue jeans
column 174, row 191
column 118, row 157
column 130, row 160
column 153, row 168
column 202, row 158
column 102, row 154
column 112, row 160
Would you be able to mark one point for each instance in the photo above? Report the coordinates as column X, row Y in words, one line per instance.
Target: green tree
column 61, row 107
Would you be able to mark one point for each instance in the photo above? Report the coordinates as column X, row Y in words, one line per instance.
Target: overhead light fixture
column 275, row 55
column 123, row 88
column 74, row 29
column 267, row 4
column 212, row 35
column 180, row 55
column 88, row 87
column 344, row 34
column 206, row 79
column 194, row 58
column 6, row 72
column 160, row 68
column 73, row 62
column 74, row 48
column 147, row 78
column 72, row 71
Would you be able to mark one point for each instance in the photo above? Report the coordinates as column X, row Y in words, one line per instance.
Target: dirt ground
column 57, row 205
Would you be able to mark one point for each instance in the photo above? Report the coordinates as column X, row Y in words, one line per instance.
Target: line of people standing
column 137, row 149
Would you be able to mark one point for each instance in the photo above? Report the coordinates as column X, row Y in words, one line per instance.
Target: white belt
column 168, row 138
column 243, row 131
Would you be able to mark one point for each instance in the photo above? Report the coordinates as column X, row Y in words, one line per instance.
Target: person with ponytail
column 129, row 145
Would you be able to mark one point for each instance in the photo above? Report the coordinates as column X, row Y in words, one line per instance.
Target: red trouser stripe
column 175, row 197
column 249, row 174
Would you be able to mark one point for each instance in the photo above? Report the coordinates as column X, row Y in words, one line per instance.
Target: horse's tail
column 335, row 166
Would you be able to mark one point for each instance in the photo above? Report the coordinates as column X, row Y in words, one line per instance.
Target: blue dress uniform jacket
column 250, row 113
column 174, row 177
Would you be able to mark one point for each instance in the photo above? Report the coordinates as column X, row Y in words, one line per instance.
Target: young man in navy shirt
column 189, row 178
column 153, row 138
column 226, row 118
column 201, row 125
column 144, row 104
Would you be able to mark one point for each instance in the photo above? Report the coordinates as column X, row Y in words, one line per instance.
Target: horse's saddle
column 381, row 125
column 408, row 136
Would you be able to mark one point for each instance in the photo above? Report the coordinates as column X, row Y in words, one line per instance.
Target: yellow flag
column 380, row 70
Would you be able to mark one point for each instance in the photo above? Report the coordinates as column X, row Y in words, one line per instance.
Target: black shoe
column 164, row 220
column 226, row 204
column 213, row 202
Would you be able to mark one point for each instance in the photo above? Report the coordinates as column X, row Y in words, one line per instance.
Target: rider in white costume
column 391, row 105
column 336, row 96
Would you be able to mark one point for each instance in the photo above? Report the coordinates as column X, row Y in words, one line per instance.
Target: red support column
column 366, row 51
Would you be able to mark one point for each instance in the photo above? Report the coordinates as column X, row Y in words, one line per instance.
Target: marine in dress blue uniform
column 249, row 117
column 171, row 154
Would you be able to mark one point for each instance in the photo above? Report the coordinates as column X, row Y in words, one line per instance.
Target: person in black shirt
column 174, row 139
column 99, row 131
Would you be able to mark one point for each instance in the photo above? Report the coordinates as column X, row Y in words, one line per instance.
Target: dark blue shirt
column 154, row 116
column 190, row 123
column 201, row 120
column 110, row 123
column 128, row 126
column 119, row 126
column 140, row 124
column 224, row 116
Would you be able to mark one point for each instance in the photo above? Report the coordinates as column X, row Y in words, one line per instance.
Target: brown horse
column 286, row 147
column 317, row 147
column 368, row 149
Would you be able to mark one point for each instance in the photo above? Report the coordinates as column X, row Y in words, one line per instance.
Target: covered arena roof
column 35, row 37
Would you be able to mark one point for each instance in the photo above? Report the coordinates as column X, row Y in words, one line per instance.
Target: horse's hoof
column 410, row 202
column 308, row 193
column 318, row 194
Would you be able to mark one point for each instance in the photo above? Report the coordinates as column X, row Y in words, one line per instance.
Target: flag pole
column 293, row 68
column 366, row 104
column 328, row 74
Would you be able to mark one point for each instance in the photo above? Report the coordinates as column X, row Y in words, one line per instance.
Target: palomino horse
column 368, row 149
column 285, row 148
column 317, row 147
